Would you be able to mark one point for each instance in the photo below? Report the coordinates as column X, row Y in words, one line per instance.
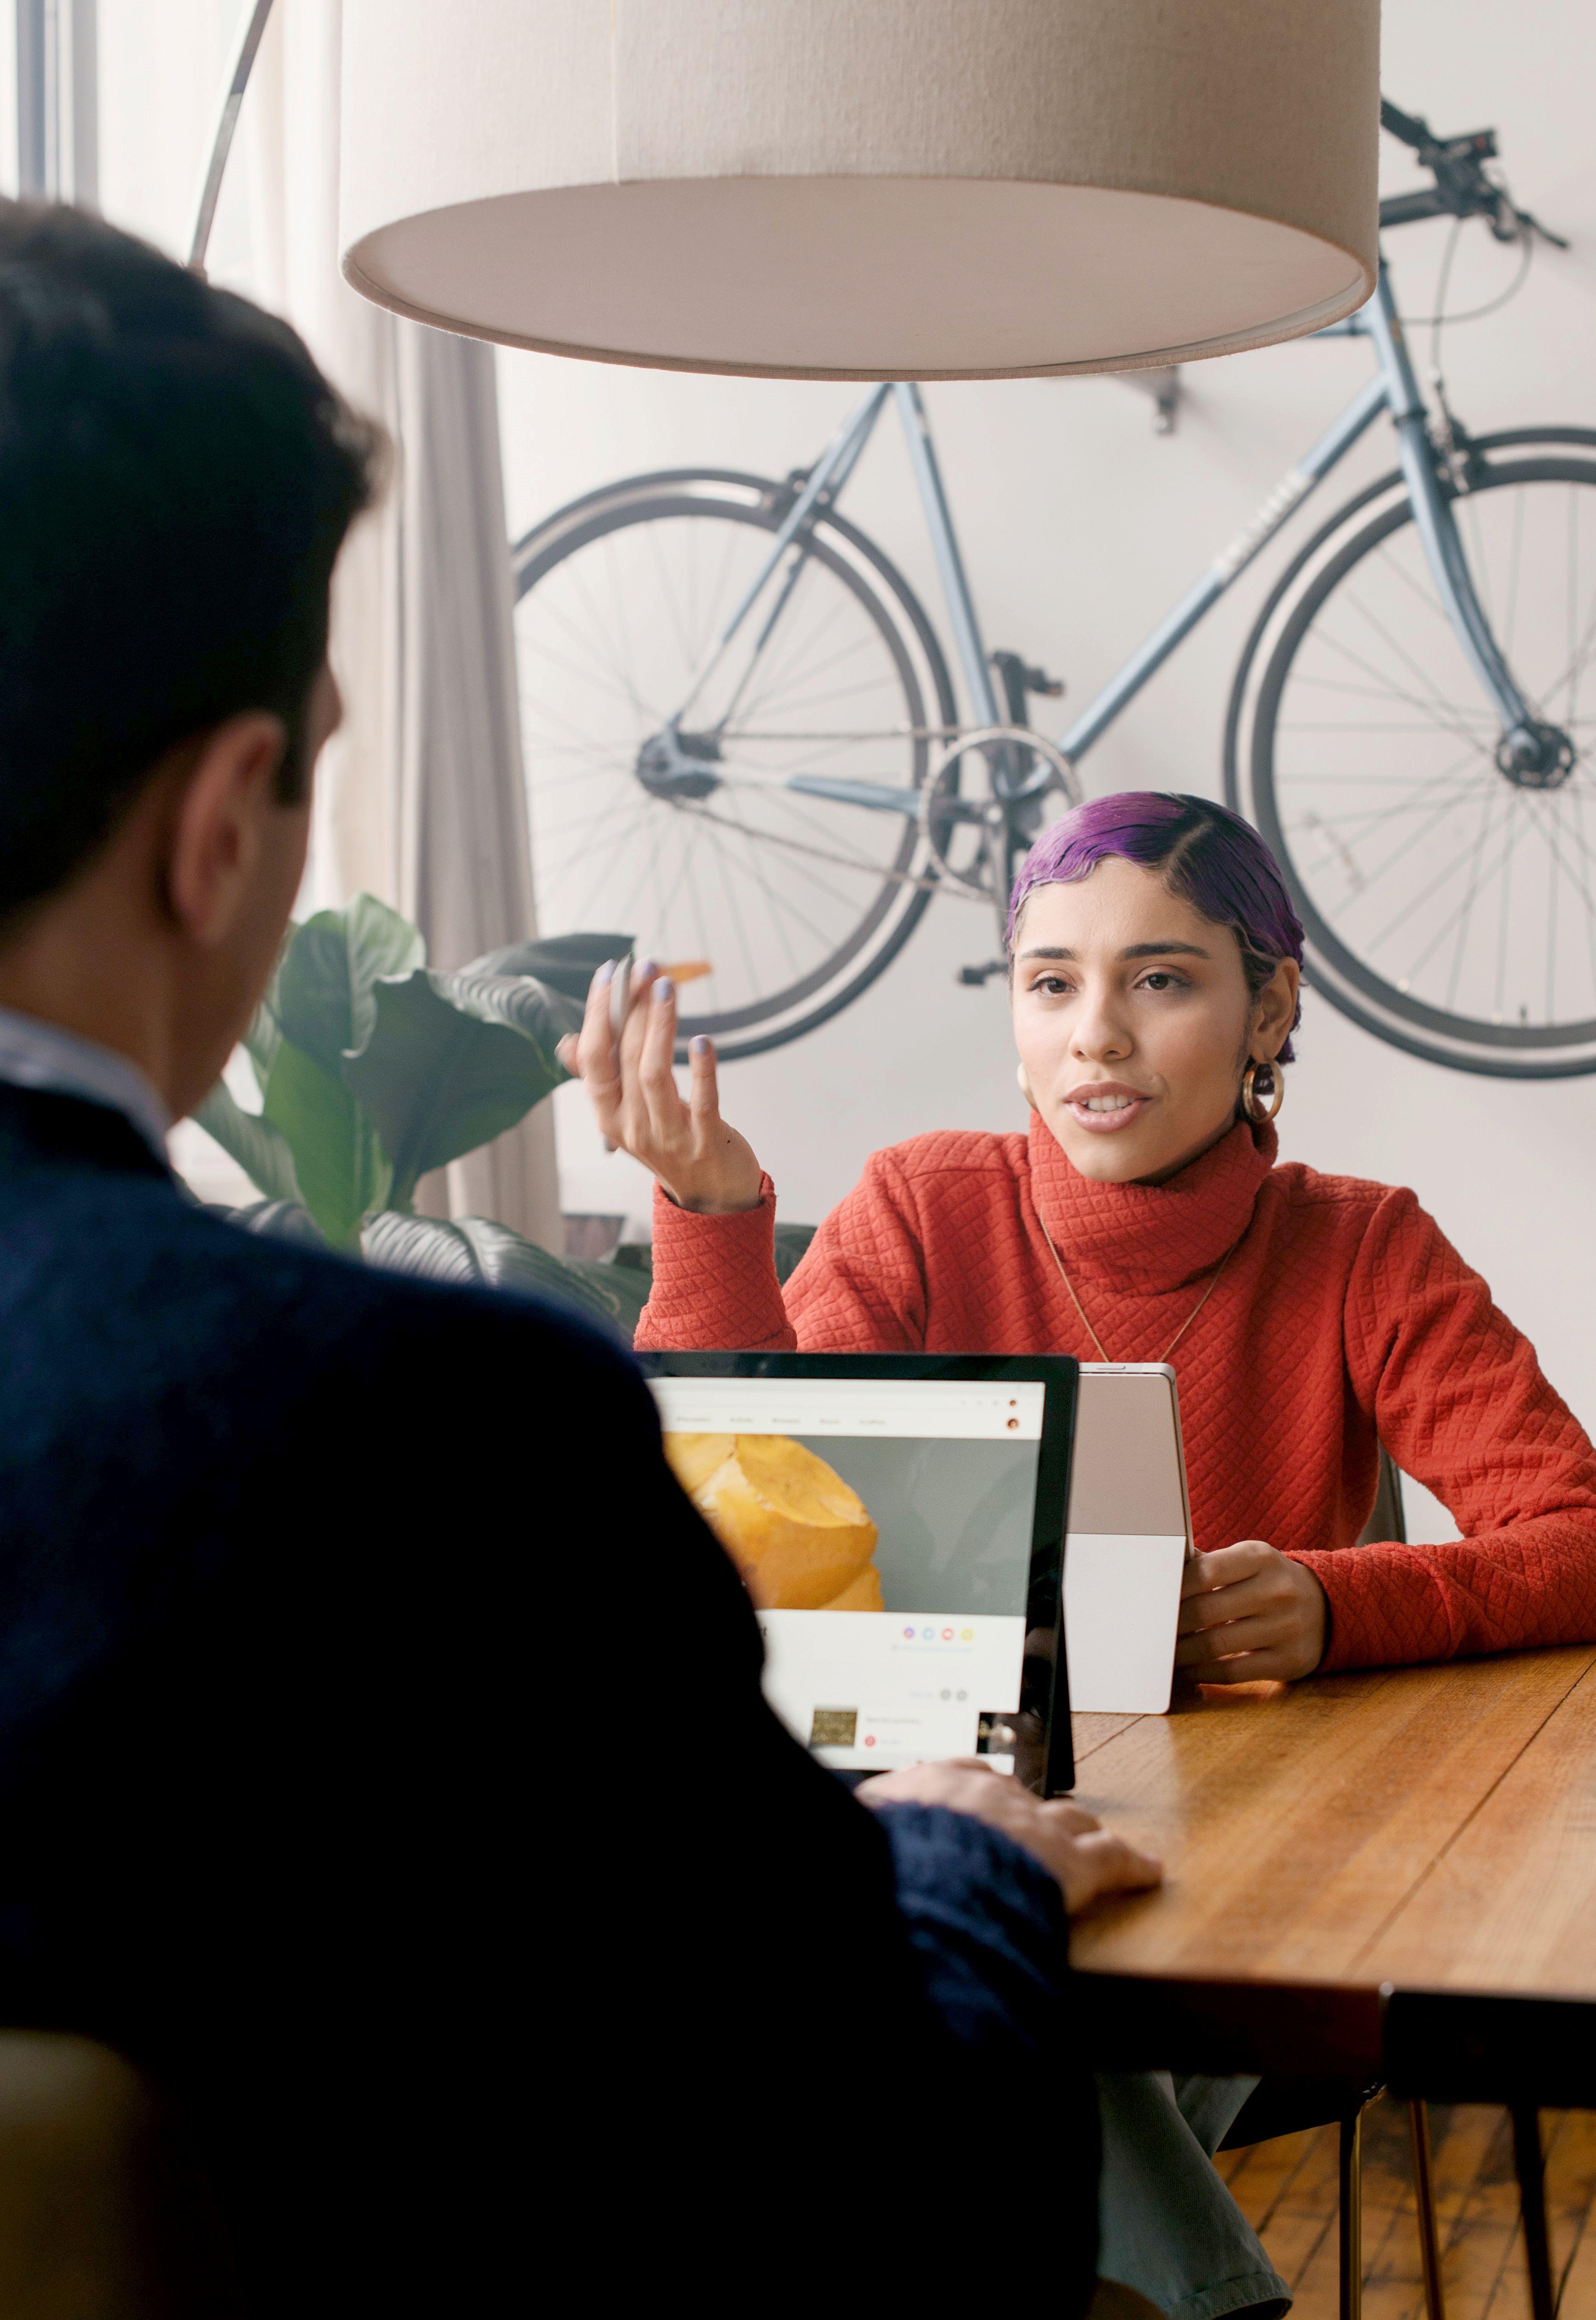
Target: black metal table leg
column 1351, row 2233
column 1424, row 2199
column 1530, row 2168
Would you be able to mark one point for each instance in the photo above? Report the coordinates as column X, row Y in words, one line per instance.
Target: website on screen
column 908, row 1506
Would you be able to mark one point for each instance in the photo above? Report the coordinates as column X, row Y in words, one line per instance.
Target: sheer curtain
column 421, row 799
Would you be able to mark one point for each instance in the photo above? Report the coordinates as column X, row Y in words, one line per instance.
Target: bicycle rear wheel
column 1449, row 906
column 695, row 840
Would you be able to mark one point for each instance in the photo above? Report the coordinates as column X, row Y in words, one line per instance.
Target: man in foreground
column 383, row 1763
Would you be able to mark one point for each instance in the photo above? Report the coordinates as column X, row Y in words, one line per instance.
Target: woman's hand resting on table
column 1088, row 1860
column 701, row 1163
column 1248, row 1611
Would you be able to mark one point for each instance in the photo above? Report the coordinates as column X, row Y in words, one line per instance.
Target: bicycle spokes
column 691, row 823
column 1446, row 874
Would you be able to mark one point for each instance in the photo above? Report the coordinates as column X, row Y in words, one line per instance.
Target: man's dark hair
column 176, row 480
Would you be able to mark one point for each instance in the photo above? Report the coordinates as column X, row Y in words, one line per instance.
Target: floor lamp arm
column 241, row 66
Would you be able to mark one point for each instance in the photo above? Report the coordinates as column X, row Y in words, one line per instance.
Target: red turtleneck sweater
column 1344, row 1318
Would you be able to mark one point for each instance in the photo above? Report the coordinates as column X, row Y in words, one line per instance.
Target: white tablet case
column 1128, row 1538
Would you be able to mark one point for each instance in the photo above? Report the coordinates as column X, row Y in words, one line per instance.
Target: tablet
column 1129, row 1536
column 899, row 1522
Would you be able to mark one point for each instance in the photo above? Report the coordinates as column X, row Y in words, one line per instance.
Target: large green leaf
column 474, row 1250
column 340, row 1164
column 323, row 996
column 424, row 1245
column 279, row 1220
column 453, row 1060
column 566, row 962
column 628, row 1285
column 260, row 1150
column 509, row 1262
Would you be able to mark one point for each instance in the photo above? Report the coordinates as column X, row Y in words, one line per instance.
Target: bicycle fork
column 1529, row 753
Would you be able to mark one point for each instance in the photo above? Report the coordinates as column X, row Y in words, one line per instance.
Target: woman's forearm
column 859, row 1289
column 1530, row 1583
column 714, row 1281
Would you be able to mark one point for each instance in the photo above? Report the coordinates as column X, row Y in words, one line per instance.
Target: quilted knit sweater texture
column 1343, row 1318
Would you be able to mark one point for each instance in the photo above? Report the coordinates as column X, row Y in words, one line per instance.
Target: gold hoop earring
column 1249, row 1092
column 1020, row 1073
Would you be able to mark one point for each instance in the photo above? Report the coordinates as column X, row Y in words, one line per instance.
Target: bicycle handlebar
column 1405, row 126
column 1462, row 188
column 1405, row 209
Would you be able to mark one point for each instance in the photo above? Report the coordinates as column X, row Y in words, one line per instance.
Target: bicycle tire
column 1504, row 438
column 885, row 597
column 1391, row 1011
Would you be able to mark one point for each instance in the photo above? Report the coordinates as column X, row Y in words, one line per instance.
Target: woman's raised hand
column 701, row 1163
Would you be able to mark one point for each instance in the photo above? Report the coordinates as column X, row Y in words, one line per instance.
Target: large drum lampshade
column 864, row 188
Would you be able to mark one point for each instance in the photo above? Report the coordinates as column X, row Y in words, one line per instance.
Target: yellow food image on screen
column 802, row 1539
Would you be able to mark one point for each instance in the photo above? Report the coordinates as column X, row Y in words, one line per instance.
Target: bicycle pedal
column 1036, row 680
column 975, row 977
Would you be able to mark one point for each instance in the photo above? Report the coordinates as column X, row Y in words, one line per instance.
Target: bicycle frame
column 1393, row 388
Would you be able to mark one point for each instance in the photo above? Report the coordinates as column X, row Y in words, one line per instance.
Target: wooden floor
column 1287, row 2191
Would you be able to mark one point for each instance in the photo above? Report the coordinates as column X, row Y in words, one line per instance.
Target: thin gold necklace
column 1081, row 1310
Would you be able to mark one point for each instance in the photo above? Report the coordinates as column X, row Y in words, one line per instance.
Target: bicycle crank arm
column 876, row 795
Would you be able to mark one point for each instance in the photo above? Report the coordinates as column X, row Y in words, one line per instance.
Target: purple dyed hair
column 1208, row 854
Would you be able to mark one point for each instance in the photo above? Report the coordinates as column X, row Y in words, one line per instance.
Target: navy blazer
column 384, row 1767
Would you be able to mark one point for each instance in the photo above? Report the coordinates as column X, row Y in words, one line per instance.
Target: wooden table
column 1430, row 1829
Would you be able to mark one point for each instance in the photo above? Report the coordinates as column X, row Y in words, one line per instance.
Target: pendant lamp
column 864, row 188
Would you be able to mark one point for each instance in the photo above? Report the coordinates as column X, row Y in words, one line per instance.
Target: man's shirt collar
column 34, row 1054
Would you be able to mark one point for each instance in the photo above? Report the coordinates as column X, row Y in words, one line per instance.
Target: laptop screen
column 887, row 1529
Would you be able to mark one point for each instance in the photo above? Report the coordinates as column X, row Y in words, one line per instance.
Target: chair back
column 1386, row 1520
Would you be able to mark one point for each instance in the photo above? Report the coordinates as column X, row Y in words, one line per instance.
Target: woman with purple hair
column 1145, row 1216
column 1154, row 972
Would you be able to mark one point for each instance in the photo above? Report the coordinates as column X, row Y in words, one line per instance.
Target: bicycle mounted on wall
column 741, row 730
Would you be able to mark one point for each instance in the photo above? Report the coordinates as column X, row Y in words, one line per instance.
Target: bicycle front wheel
column 1448, row 902
column 662, row 805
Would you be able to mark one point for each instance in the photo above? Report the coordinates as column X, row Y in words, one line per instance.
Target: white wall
column 1080, row 526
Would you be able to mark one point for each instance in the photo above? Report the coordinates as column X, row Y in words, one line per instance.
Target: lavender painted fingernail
column 642, row 970
column 664, row 990
column 606, row 976
column 700, row 1043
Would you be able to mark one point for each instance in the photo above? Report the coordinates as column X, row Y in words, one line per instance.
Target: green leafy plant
column 474, row 1251
column 374, row 1067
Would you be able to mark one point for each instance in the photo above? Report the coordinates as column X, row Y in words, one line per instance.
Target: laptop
column 1130, row 1538
column 898, row 1521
